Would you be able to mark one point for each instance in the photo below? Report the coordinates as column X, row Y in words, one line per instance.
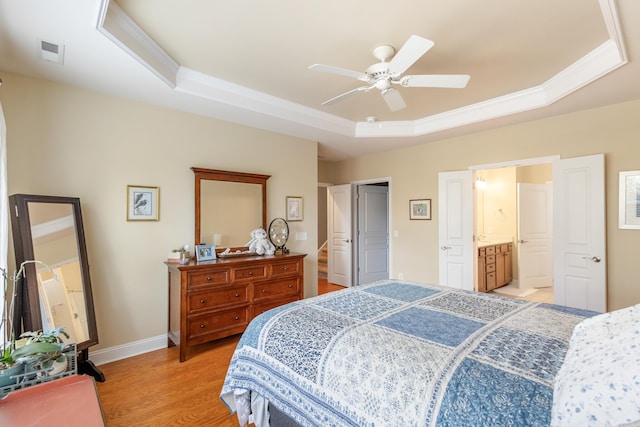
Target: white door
column 373, row 233
column 455, row 233
column 535, row 233
column 579, row 233
column 339, row 235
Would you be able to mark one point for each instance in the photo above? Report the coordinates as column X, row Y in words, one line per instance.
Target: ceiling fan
column 384, row 74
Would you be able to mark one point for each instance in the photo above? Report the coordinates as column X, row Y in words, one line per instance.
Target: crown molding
column 273, row 113
column 118, row 27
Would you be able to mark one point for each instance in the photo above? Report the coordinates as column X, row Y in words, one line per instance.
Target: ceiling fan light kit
column 389, row 71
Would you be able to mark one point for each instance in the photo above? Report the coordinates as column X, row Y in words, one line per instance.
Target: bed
column 398, row 353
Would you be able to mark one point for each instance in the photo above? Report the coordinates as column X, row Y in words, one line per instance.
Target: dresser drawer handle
column 237, row 318
column 251, row 273
column 290, row 285
column 264, row 291
column 237, row 295
column 286, row 268
column 201, row 325
column 202, row 301
column 209, row 278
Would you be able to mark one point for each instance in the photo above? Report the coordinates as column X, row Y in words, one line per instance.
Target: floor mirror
column 55, row 289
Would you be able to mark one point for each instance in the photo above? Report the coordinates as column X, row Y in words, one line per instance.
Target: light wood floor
column 155, row 389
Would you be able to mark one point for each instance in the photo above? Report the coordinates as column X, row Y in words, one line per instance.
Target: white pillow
column 598, row 383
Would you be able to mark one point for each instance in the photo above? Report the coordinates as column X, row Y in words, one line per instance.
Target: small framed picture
column 205, row 252
column 629, row 199
column 294, row 208
column 420, row 209
column 142, row 203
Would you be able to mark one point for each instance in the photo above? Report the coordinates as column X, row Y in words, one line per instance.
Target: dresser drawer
column 216, row 299
column 284, row 269
column 250, row 273
column 490, row 259
column 482, row 252
column 210, row 323
column 490, row 268
column 272, row 289
column 491, row 250
column 208, row 278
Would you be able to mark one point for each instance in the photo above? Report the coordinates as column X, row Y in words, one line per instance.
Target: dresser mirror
column 56, row 290
column 228, row 205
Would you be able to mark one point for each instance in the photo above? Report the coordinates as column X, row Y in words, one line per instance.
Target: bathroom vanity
column 495, row 267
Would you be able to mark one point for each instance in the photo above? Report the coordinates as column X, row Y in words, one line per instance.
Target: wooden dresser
column 494, row 266
column 215, row 299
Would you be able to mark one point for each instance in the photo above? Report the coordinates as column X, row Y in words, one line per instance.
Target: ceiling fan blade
column 340, row 71
column 346, row 95
column 393, row 99
column 408, row 54
column 436, row 80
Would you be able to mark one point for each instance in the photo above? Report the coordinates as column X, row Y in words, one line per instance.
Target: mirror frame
column 27, row 311
column 220, row 175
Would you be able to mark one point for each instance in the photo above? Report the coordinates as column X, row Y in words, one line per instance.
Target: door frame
column 510, row 163
column 363, row 189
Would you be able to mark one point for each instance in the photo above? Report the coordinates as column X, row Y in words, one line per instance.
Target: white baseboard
column 119, row 352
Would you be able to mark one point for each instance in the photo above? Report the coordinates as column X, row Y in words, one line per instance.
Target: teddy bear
column 260, row 244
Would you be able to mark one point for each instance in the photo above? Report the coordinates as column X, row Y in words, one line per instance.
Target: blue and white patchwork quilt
column 397, row 353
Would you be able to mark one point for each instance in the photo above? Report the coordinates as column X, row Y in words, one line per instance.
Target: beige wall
column 327, row 171
column 70, row 142
column 612, row 130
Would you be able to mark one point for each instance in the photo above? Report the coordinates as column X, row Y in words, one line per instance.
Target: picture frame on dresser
column 205, row 253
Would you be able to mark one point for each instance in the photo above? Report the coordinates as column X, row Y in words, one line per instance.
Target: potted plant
column 42, row 351
column 34, row 350
column 9, row 368
column 183, row 253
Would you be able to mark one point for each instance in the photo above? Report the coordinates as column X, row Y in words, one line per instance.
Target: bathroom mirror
column 228, row 205
column 56, row 290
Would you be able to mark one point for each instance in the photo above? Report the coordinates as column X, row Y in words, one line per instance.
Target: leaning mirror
column 228, row 205
column 56, row 290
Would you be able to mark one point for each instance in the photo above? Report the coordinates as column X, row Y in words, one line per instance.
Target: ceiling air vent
column 52, row 52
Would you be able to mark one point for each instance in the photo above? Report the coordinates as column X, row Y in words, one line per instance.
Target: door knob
column 444, row 248
column 347, row 240
column 522, row 241
column 593, row 258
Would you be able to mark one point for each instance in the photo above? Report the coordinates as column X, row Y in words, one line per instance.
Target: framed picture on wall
column 142, row 203
column 294, row 208
column 420, row 209
column 629, row 199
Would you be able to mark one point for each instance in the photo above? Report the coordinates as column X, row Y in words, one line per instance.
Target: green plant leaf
column 35, row 348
